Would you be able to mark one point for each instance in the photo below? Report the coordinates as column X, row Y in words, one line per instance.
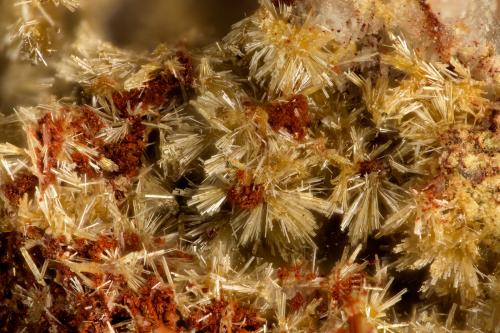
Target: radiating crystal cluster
column 328, row 166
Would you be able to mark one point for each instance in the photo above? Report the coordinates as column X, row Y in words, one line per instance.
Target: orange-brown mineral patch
column 342, row 287
column 13, row 272
column 94, row 249
column 128, row 152
column 50, row 133
column 82, row 164
column 87, row 125
column 53, row 246
column 292, row 116
column 233, row 316
column 245, row 194
column 297, row 302
column 159, row 89
column 153, row 309
column 92, row 312
column 132, row 241
column 435, row 189
column 15, row 190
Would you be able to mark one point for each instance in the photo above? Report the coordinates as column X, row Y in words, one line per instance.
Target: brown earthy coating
column 22, row 184
column 292, row 115
column 53, row 246
column 491, row 121
column 154, row 94
column 84, row 128
column 128, row 152
column 92, row 312
column 13, row 271
column 87, row 125
column 50, row 134
column 82, row 164
column 245, row 194
column 132, row 241
column 297, row 302
column 157, row 90
column 152, row 309
column 93, row 249
column 238, row 316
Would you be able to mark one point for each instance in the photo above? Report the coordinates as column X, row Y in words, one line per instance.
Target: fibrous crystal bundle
column 326, row 166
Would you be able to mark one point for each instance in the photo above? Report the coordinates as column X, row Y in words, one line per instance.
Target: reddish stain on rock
column 437, row 31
